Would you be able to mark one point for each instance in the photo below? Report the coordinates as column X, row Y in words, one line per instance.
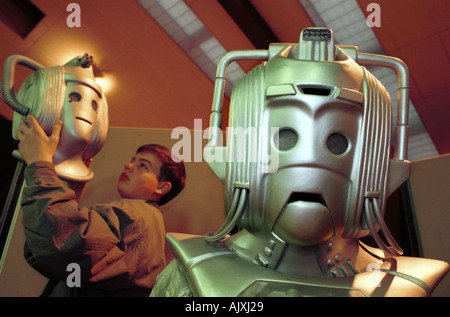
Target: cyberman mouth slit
column 308, row 197
column 83, row 119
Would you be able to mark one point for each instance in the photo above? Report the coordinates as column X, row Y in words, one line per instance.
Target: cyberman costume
column 307, row 176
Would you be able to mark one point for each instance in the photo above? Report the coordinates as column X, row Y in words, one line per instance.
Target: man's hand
column 34, row 144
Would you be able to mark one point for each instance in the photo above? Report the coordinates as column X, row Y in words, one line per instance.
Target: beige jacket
column 119, row 246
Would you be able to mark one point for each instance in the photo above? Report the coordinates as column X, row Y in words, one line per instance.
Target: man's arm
column 44, row 190
column 57, row 231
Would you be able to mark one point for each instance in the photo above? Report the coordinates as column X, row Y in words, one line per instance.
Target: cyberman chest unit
column 305, row 177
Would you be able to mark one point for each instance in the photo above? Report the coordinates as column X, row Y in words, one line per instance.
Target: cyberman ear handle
column 240, row 192
column 219, row 88
column 399, row 167
column 8, row 81
column 9, row 95
column 400, row 68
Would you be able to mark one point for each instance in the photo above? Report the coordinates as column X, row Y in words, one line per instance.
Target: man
column 118, row 247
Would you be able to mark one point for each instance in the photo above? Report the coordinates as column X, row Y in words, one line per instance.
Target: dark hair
column 172, row 170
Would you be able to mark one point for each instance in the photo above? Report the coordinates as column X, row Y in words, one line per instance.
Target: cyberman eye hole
column 74, row 96
column 338, row 144
column 94, row 105
column 285, row 139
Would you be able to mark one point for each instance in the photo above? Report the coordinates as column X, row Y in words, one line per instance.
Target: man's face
column 139, row 179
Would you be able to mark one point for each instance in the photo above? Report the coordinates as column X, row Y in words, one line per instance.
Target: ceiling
column 156, row 59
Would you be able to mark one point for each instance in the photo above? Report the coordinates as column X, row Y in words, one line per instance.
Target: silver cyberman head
column 317, row 162
column 71, row 94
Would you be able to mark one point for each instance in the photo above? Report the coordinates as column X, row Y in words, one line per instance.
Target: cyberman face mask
column 68, row 93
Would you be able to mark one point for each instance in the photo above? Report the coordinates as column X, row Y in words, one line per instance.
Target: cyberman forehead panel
column 313, row 75
column 68, row 93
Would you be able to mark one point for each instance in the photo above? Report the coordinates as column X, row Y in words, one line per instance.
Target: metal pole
column 7, row 220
